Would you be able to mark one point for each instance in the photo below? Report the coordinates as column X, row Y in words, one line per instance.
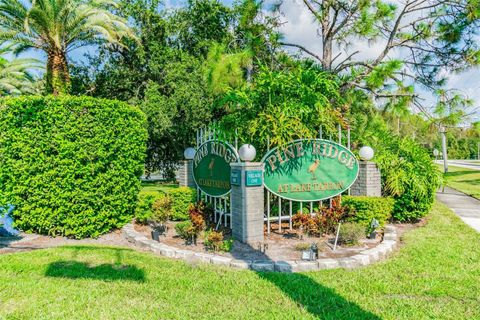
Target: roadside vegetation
column 75, row 140
column 205, row 63
column 435, row 275
column 463, row 179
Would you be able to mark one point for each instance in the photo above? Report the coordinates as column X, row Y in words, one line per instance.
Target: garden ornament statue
column 310, row 254
column 374, row 225
column 314, row 249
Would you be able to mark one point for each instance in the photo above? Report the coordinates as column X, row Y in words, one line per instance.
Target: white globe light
column 436, row 152
column 247, row 152
column 189, row 153
column 366, row 153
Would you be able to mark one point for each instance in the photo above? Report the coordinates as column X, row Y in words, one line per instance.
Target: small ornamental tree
column 70, row 165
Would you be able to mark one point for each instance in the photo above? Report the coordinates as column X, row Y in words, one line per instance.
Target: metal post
column 229, row 209
column 279, row 214
column 225, row 212
column 236, row 139
column 268, row 212
column 444, row 149
column 339, row 134
column 290, row 211
column 349, row 148
column 215, row 206
column 311, row 208
column 336, row 238
column 321, row 132
column 348, row 138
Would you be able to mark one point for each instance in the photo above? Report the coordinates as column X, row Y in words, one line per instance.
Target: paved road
column 469, row 164
column 466, row 207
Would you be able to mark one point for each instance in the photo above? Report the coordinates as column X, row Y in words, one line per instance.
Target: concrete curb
column 363, row 258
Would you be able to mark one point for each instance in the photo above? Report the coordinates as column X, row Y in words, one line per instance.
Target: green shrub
column 365, row 209
column 185, row 230
column 409, row 176
column 227, row 245
column 153, row 206
column 70, row 165
column 161, row 210
column 351, row 233
column 213, row 240
column 181, row 199
column 144, row 209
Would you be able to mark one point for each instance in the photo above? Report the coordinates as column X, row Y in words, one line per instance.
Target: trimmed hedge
column 70, row 165
column 144, row 209
column 182, row 197
column 368, row 208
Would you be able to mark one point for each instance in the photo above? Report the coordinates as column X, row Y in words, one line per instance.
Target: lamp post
column 189, row 153
column 435, row 154
column 366, row 153
column 247, row 197
column 184, row 174
column 247, row 152
column 444, row 148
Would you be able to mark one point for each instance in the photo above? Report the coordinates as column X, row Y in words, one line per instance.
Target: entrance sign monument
column 309, row 170
column 211, row 167
column 304, row 170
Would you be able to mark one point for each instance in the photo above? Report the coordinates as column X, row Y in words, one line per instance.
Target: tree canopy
column 57, row 27
column 421, row 43
column 15, row 75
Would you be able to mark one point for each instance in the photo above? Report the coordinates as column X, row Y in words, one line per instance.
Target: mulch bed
column 277, row 246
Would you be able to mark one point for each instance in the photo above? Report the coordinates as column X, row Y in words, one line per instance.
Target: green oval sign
column 309, row 170
column 211, row 167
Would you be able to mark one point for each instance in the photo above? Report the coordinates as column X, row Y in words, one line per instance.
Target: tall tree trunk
column 58, row 76
column 326, row 37
column 327, row 54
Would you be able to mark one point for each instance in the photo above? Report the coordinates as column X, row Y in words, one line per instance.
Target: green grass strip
column 435, row 275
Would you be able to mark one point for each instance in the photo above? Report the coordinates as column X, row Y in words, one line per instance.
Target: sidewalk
column 466, row 207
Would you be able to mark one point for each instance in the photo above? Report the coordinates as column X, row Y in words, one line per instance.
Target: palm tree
column 15, row 77
column 57, row 27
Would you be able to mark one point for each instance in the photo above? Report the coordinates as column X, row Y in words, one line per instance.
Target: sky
column 300, row 28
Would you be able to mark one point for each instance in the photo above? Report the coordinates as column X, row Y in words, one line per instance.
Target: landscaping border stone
column 363, row 258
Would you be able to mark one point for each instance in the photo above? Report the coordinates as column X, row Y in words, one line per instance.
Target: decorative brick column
column 184, row 174
column 369, row 181
column 247, row 200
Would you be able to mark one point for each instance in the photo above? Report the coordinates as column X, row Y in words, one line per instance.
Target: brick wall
column 369, row 181
column 184, row 174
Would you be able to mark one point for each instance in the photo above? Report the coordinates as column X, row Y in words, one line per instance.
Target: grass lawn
column 436, row 275
column 157, row 186
column 465, row 180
